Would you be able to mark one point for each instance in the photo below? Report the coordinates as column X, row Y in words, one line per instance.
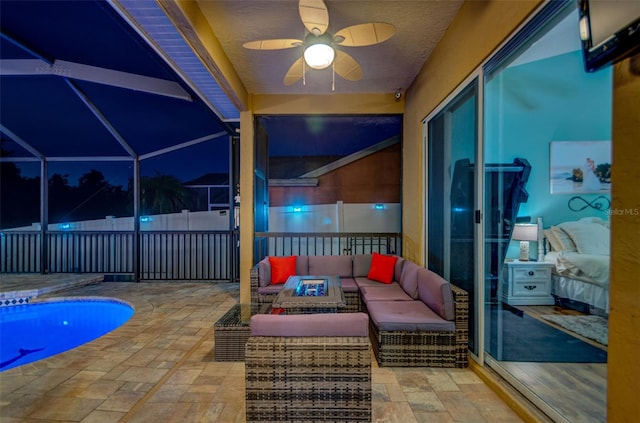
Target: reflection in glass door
column 452, row 138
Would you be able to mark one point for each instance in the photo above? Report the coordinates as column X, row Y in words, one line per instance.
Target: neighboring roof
column 352, row 157
column 210, row 179
column 286, row 167
column 304, row 171
column 79, row 82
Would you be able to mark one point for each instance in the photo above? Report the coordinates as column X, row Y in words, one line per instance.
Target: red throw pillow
column 282, row 268
column 382, row 268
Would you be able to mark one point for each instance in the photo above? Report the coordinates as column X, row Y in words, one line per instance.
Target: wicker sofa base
column 319, row 379
column 417, row 349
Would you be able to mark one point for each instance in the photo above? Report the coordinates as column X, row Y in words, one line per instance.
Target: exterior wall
column 623, row 382
column 372, row 179
column 477, row 30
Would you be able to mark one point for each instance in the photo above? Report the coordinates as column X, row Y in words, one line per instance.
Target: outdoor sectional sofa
column 416, row 319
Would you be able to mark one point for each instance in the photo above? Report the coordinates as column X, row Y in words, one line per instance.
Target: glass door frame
column 478, row 77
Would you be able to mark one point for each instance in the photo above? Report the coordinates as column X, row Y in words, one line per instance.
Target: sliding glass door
column 451, row 170
column 517, row 164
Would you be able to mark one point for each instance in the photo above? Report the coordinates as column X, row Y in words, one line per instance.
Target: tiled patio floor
column 159, row 367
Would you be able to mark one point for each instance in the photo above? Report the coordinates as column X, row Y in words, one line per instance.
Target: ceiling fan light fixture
column 319, row 56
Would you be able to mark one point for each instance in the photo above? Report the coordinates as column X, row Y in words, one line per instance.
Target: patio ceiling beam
column 98, row 75
column 22, row 143
column 183, row 145
column 102, row 118
column 154, row 27
column 91, row 159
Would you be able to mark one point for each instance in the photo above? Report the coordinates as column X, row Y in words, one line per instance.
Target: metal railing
column 326, row 244
column 163, row 255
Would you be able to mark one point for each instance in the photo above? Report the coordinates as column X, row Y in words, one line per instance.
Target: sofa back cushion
column 398, row 270
column 331, row 266
column 302, row 266
column 361, row 265
column 321, row 324
column 436, row 293
column 409, row 279
column 264, row 272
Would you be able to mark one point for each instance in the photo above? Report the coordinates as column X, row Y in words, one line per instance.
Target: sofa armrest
column 461, row 306
column 254, row 278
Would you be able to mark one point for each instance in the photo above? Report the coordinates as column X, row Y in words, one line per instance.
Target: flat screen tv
column 609, row 30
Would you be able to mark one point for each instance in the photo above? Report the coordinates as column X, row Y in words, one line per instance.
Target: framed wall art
column 580, row 167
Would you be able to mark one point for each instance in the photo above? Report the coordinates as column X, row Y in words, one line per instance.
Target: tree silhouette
column 163, row 194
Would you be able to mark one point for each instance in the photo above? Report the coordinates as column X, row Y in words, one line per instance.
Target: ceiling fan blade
column 276, row 44
column 295, row 72
column 346, row 66
column 365, row 34
column 314, row 16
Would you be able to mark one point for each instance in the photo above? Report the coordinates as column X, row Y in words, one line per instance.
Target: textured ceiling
column 387, row 67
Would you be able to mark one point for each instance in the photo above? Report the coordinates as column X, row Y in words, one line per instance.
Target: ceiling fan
column 320, row 46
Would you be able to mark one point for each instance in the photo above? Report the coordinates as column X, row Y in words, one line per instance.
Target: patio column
column 246, row 203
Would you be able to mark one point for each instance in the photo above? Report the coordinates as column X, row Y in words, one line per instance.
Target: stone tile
column 64, row 408
column 379, row 392
column 464, row 377
column 99, row 416
column 121, row 401
column 184, row 376
column 142, row 374
column 433, row 417
column 395, row 391
column 425, row 401
column 442, row 382
column 392, row 412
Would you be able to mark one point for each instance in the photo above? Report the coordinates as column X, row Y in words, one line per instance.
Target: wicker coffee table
column 310, row 294
column 232, row 330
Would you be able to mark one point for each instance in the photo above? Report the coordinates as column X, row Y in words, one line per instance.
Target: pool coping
column 23, row 296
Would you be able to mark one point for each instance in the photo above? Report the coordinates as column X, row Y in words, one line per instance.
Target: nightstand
column 526, row 283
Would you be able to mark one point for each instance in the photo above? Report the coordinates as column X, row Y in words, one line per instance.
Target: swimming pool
column 35, row 331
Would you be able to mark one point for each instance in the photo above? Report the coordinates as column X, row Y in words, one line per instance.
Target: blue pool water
column 32, row 332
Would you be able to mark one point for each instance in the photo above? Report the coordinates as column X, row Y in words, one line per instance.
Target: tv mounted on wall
column 609, row 30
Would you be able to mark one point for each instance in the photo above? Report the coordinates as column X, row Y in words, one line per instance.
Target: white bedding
column 590, row 267
column 581, row 261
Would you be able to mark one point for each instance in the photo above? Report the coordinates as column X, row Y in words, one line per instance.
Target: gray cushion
column 264, row 272
column 324, row 324
column 361, row 265
column 391, row 292
column 409, row 279
column 349, row 285
column 361, row 282
column 435, row 292
column 407, row 316
column 302, row 265
column 398, row 269
column 331, row 266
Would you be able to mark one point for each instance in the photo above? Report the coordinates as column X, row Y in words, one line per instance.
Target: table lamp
column 524, row 233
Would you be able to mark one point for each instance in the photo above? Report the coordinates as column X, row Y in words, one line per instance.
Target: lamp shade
column 319, row 56
column 525, row 232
